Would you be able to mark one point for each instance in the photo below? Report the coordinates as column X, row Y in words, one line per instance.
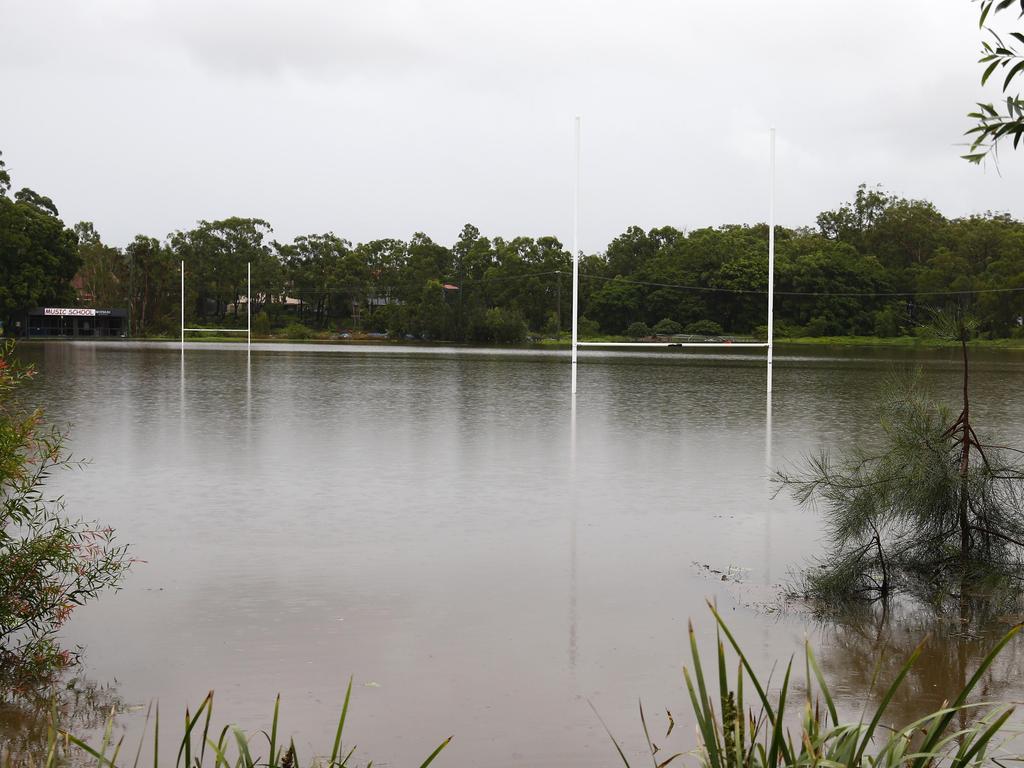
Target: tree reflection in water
column 82, row 707
column 956, row 634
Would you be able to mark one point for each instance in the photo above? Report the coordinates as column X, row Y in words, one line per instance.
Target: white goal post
column 248, row 311
column 767, row 345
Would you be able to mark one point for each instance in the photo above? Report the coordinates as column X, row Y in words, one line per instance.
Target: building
column 73, row 322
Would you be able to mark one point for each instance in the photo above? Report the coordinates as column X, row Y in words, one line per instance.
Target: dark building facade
column 73, row 322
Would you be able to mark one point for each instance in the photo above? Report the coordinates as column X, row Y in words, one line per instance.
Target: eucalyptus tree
column 216, row 254
column 38, row 253
column 103, row 271
column 152, row 285
column 1002, row 55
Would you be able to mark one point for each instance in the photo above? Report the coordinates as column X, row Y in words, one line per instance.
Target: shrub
column 261, row 324
column 822, row 326
column 638, row 330
column 668, row 327
column 551, row 326
column 49, row 562
column 505, row 326
column 587, row 327
column 297, row 331
column 705, row 328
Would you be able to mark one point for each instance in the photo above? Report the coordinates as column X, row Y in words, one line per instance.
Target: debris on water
column 371, row 684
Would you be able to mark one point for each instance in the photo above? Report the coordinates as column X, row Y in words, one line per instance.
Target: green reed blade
column 940, row 725
column 778, row 743
column 979, row 744
column 880, row 710
column 341, row 723
column 272, row 761
column 436, row 752
column 606, row 730
column 822, row 685
column 647, row 735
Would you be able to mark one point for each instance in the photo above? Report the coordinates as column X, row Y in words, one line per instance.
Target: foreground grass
column 730, row 736
column 200, row 747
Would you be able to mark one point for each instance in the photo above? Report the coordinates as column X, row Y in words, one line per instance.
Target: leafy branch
column 995, row 123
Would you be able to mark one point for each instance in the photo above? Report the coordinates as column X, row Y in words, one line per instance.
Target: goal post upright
column 576, row 259
column 248, row 311
column 771, row 257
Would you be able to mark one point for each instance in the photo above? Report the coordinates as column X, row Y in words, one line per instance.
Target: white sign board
column 69, row 312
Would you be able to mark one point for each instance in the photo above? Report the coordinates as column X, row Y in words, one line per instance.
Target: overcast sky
column 380, row 118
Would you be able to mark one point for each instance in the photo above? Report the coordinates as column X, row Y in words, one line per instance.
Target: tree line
column 873, row 266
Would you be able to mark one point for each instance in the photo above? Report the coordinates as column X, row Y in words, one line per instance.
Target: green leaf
column 437, row 751
column 988, row 71
column 1013, row 73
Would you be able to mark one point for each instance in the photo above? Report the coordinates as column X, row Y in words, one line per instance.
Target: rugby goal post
column 248, row 310
column 766, row 345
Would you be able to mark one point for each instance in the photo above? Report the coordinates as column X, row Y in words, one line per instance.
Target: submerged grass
column 230, row 747
column 730, row 736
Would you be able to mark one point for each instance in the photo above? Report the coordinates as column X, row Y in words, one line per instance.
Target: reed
column 731, row 736
column 200, row 747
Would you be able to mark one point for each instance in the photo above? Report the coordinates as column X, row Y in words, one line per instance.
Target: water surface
column 482, row 554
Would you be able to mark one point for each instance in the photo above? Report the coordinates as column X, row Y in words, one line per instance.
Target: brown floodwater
column 486, row 557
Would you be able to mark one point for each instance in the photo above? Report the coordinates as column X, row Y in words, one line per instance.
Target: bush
column 668, row 327
column 705, row 328
column 587, row 327
column 505, row 326
column 551, row 326
column 886, row 323
column 638, row 330
column 823, row 326
column 261, row 324
column 297, row 331
column 49, row 562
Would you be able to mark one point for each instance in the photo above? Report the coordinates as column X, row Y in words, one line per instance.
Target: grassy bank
column 913, row 342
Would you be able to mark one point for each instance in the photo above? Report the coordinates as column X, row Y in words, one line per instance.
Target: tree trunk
column 965, row 448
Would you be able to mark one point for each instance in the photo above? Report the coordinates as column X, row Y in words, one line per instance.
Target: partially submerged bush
column 932, row 502
column 49, row 562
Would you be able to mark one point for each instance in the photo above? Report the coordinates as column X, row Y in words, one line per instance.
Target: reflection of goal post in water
column 248, row 310
column 576, row 282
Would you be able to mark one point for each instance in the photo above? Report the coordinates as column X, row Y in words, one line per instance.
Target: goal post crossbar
column 215, row 330
column 248, row 310
column 767, row 345
column 755, row 344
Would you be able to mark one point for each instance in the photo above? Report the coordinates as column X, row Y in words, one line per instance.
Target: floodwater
column 484, row 556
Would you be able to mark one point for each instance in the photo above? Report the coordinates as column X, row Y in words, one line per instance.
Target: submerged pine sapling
column 929, row 502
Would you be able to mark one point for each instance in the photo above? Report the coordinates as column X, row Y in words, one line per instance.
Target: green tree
column 38, row 254
column 216, row 254
column 995, row 121
column 153, row 286
column 103, row 269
